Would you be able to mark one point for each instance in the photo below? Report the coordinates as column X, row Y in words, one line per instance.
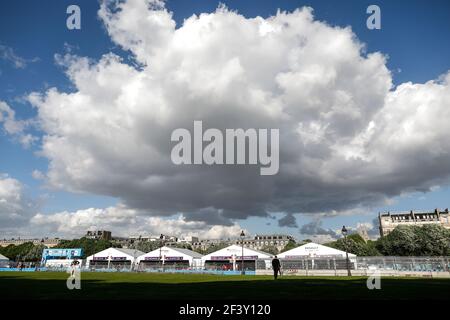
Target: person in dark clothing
column 276, row 266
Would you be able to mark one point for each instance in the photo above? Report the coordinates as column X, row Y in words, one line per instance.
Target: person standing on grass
column 276, row 266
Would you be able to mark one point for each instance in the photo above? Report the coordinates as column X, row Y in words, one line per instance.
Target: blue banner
column 69, row 253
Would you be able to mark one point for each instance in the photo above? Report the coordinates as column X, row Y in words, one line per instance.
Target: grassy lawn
column 52, row 285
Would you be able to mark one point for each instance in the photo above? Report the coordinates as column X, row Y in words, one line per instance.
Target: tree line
column 23, row 252
column 426, row 240
column 33, row 253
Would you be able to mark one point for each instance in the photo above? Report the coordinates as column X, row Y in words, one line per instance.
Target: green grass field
column 52, row 285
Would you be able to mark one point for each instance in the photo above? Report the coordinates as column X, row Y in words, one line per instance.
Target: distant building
column 99, row 235
column 208, row 243
column 388, row 221
column 278, row 241
column 142, row 238
column 126, row 242
column 48, row 242
column 170, row 238
column 188, row 239
column 153, row 238
column 362, row 231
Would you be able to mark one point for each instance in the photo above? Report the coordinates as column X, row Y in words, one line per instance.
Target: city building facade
column 99, row 235
column 48, row 242
column 389, row 221
column 205, row 244
column 259, row 242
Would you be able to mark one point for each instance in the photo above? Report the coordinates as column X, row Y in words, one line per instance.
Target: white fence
column 386, row 266
column 308, row 266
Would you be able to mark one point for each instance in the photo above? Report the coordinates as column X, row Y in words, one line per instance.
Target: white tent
column 170, row 256
column 4, row 261
column 314, row 250
column 230, row 258
column 114, row 257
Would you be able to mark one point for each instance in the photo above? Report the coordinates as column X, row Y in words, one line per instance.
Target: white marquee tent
column 170, row 256
column 4, row 261
column 230, row 258
column 314, row 250
column 113, row 258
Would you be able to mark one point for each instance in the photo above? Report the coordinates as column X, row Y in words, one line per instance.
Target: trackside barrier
column 23, row 269
column 430, row 267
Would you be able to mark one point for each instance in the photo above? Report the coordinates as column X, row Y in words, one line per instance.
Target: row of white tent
column 230, row 253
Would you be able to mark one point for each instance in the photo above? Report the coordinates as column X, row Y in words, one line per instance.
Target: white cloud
column 321, row 238
column 38, row 175
column 16, row 128
column 125, row 222
column 314, row 228
column 8, row 54
column 15, row 207
column 347, row 138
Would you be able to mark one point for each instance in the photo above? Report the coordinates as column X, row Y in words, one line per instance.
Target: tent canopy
column 130, row 254
column 312, row 249
column 170, row 252
column 236, row 251
column 3, row 258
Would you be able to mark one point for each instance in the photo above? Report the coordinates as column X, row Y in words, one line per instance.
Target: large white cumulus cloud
column 347, row 137
column 126, row 222
column 15, row 207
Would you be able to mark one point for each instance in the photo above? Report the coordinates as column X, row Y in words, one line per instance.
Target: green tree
column 35, row 253
column 402, row 241
column 432, row 240
column 427, row 240
column 356, row 238
column 212, row 248
column 290, row 245
column 17, row 253
column 145, row 246
column 183, row 246
column 89, row 246
column 355, row 244
column 270, row 249
column 371, row 249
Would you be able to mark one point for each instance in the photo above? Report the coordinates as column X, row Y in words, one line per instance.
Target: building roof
column 129, row 252
column 312, row 249
column 272, row 235
column 237, row 250
column 188, row 252
column 156, row 252
column 132, row 252
column 2, row 257
column 412, row 212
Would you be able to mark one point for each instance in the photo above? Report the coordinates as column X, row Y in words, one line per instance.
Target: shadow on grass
column 47, row 286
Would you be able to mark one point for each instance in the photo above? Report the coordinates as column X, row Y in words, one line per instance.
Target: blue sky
column 414, row 35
